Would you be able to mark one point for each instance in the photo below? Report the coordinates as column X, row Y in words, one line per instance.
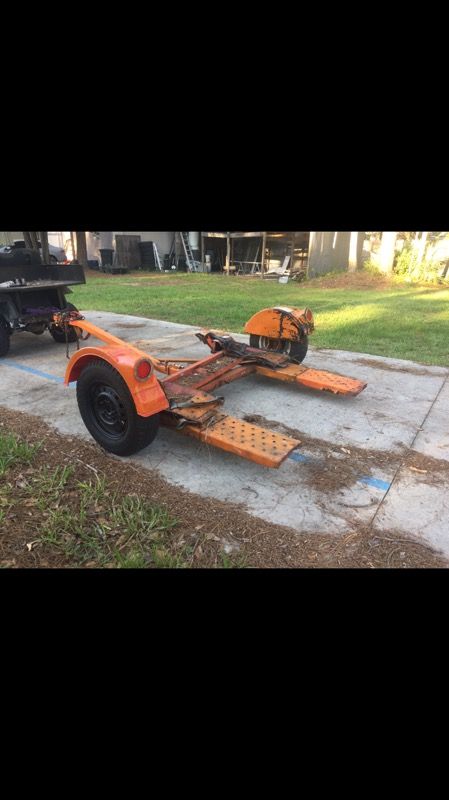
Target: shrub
column 410, row 268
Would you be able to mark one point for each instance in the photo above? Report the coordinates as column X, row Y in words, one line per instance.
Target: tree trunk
column 387, row 249
column 81, row 248
column 44, row 244
column 30, row 238
column 355, row 250
column 73, row 243
column 34, row 240
column 421, row 246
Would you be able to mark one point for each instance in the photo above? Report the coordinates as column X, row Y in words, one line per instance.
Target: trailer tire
column 4, row 340
column 296, row 350
column 58, row 333
column 109, row 413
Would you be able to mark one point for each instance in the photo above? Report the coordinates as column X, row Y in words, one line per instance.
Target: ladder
column 192, row 265
column 172, row 253
column 157, row 260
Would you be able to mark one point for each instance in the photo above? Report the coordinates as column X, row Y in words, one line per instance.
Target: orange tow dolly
column 122, row 402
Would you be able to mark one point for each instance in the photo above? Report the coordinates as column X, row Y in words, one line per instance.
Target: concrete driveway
column 356, row 463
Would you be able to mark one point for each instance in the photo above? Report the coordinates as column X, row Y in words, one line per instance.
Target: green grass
column 400, row 321
column 102, row 528
column 14, row 451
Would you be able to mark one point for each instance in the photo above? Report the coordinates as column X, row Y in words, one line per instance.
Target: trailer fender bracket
column 148, row 396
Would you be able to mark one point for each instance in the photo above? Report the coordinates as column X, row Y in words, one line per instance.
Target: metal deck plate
column 331, row 382
column 315, row 379
column 246, row 440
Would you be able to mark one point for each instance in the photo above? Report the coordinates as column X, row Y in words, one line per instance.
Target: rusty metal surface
column 287, row 374
column 331, row 382
column 233, row 349
column 232, row 373
column 316, row 379
column 248, row 441
column 193, row 369
column 281, row 322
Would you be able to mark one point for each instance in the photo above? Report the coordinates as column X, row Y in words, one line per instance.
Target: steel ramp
column 249, row 441
column 315, row 379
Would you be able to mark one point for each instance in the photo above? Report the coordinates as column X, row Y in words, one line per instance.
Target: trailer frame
column 182, row 399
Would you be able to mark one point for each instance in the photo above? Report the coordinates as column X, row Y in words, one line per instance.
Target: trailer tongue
column 122, row 402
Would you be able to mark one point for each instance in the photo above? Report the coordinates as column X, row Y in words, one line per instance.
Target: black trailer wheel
column 296, row 350
column 59, row 334
column 4, row 340
column 109, row 412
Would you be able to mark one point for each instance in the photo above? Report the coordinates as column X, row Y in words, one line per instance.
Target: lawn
column 362, row 313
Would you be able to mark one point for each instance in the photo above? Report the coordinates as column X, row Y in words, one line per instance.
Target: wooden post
column 228, row 253
column 264, row 244
column 81, row 248
column 27, row 239
column 31, row 239
column 72, row 239
column 44, row 244
column 202, row 252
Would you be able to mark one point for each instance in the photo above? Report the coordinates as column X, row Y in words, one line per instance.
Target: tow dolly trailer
column 122, row 401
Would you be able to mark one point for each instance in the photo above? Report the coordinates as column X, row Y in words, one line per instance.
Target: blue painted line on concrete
column 298, row 457
column 33, row 371
column 376, row 482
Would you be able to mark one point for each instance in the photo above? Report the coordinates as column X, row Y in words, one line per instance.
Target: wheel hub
column 276, row 345
column 108, row 410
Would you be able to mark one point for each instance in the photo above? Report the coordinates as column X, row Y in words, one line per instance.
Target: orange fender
column 281, row 322
column 147, row 394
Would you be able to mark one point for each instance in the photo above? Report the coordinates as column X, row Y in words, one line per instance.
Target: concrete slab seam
column 371, row 524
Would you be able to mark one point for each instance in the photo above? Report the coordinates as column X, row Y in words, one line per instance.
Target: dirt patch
column 145, row 279
column 371, row 362
column 364, row 280
column 130, row 325
column 432, row 471
column 334, row 467
column 352, row 280
column 218, row 534
column 160, row 282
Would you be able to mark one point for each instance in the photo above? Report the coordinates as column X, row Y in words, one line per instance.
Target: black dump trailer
column 31, row 293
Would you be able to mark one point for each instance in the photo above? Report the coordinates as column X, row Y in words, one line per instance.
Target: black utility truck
column 31, row 293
